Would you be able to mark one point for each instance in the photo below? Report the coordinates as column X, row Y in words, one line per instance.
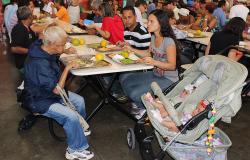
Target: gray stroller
column 222, row 88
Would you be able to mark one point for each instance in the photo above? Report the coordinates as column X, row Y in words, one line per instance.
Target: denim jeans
column 135, row 85
column 68, row 119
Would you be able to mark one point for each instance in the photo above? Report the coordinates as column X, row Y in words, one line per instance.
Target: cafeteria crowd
column 155, row 30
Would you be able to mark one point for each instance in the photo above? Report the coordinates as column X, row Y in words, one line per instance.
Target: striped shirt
column 139, row 38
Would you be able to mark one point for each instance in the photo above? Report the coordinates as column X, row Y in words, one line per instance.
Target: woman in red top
column 112, row 26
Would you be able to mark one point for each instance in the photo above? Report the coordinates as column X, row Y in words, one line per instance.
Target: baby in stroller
column 222, row 89
column 162, row 115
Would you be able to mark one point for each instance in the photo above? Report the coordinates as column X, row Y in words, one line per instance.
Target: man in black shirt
column 22, row 36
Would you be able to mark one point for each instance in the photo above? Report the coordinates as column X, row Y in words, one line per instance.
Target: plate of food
column 196, row 34
column 124, row 57
column 75, row 31
column 39, row 21
column 108, row 48
column 85, row 61
column 103, row 44
column 103, row 49
column 93, row 45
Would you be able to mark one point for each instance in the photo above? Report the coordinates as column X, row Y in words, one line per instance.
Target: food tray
column 109, row 48
column 93, row 45
column 102, row 49
column 39, row 21
column 85, row 61
column 75, row 33
column 117, row 57
column 98, row 48
column 197, row 36
column 193, row 35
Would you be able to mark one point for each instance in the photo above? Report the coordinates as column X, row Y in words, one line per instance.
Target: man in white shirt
column 138, row 15
column 10, row 17
column 74, row 11
column 239, row 10
column 47, row 6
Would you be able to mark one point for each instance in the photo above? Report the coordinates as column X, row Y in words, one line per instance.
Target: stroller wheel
column 131, row 138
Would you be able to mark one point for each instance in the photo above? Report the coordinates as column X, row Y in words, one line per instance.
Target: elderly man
column 22, row 36
column 42, row 75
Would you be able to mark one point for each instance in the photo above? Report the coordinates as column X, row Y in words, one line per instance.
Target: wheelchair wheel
column 131, row 138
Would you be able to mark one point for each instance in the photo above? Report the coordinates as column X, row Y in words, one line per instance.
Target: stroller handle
column 170, row 109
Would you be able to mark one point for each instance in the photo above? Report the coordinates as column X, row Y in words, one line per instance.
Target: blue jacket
column 41, row 75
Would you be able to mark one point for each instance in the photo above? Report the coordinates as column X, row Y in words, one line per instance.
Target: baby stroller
column 225, row 80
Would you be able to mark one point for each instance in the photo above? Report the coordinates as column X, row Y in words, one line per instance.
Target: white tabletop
column 88, row 40
column 204, row 40
column 66, row 26
column 113, row 68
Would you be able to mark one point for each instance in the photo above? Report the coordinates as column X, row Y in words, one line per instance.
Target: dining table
column 97, row 73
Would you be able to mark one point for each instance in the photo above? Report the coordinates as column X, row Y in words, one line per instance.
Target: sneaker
column 120, row 98
column 80, row 155
column 87, row 132
column 140, row 114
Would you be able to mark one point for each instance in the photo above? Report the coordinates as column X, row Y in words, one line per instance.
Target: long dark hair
column 166, row 30
column 106, row 10
column 235, row 26
column 162, row 17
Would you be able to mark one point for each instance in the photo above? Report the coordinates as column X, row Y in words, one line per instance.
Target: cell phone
column 88, row 22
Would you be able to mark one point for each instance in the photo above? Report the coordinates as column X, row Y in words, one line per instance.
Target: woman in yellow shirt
column 62, row 13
